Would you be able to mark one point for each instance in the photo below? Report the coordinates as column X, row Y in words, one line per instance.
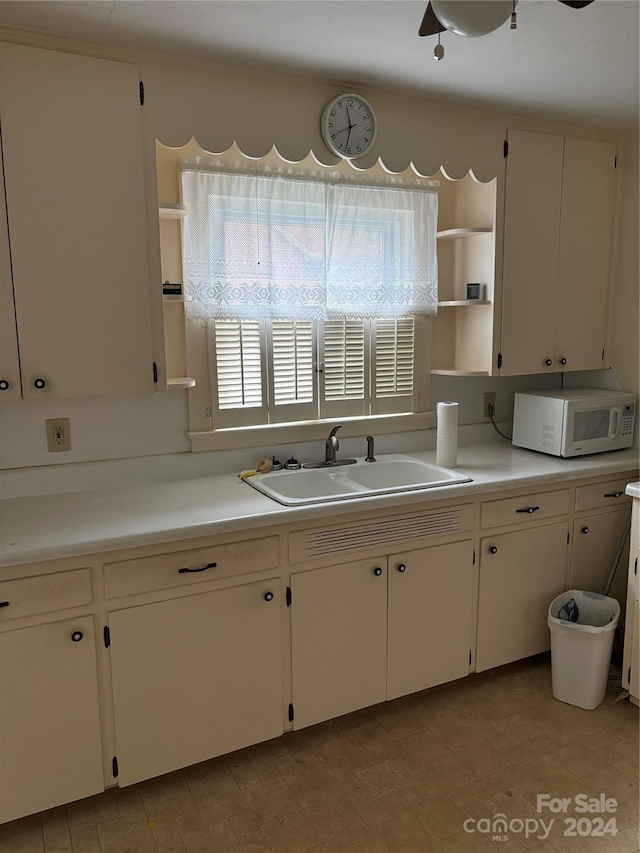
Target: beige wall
column 219, row 104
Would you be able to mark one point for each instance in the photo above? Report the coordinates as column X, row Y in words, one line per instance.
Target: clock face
column 348, row 126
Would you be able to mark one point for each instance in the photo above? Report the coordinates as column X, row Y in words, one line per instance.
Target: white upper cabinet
column 9, row 364
column 75, row 198
column 559, row 211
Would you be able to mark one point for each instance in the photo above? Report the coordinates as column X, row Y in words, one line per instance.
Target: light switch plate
column 58, row 434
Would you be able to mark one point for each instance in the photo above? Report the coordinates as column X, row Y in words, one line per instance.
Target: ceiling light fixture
column 473, row 18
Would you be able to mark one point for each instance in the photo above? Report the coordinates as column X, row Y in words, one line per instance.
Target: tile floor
column 399, row 777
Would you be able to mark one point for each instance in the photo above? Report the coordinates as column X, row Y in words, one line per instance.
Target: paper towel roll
column 447, row 434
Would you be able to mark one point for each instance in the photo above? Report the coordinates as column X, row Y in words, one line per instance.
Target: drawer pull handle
column 614, row 495
column 402, row 568
column 529, row 509
column 585, row 530
column 377, row 571
column 493, row 550
column 202, row 569
column 268, row 596
column 77, row 636
column 4, row 603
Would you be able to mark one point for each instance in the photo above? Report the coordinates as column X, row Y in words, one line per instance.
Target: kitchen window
column 315, row 289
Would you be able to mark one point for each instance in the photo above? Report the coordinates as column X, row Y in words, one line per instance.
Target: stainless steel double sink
column 389, row 473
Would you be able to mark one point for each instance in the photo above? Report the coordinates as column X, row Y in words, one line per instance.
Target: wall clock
column 348, row 126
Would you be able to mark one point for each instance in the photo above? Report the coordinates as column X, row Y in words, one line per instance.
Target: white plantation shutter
column 394, row 366
column 239, row 371
column 345, row 358
column 293, row 377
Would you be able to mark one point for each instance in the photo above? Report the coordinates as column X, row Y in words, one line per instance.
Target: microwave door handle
column 614, row 417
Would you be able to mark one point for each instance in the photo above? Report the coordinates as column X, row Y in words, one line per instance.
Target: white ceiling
column 576, row 66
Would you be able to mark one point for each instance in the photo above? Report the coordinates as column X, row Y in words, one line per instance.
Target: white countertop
column 50, row 526
column 633, row 489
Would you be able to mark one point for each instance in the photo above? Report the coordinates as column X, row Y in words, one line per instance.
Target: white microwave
column 572, row 422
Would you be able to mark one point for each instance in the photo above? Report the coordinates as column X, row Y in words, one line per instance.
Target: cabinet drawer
column 145, row 574
column 610, row 493
column 44, row 593
column 524, row 508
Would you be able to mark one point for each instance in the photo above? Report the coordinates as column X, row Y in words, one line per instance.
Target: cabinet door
column 196, row 677
column 584, row 259
column 9, row 364
column 531, row 235
column 50, row 751
column 338, row 639
column 77, row 222
column 595, row 543
column 430, row 617
column 518, row 581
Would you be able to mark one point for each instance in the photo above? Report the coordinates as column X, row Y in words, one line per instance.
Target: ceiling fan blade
column 430, row 25
column 576, row 4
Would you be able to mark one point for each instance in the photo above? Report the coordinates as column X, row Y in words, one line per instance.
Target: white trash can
column 582, row 626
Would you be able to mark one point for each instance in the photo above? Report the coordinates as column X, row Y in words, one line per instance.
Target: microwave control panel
column 628, row 413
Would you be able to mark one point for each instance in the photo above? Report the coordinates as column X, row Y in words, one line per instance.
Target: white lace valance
column 265, row 242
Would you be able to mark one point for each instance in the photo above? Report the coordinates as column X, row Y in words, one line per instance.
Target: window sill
column 257, row 436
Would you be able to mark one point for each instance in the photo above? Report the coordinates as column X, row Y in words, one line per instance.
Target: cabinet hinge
column 629, row 676
column 141, row 93
column 603, row 355
column 469, row 657
column 635, row 567
column 474, row 557
column 155, row 373
column 107, row 636
column 114, row 766
column 568, row 538
column 499, row 360
column 288, row 596
column 290, row 713
column 505, row 149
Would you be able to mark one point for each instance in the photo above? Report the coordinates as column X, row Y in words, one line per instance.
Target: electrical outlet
column 488, row 399
column 58, row 435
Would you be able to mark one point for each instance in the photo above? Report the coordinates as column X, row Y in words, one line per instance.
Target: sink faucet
column 332, row 446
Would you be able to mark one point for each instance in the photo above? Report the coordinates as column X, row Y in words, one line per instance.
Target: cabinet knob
column 377, row 571
column 563, row 361
column 77, row 636
column 585, row 530
column 268, row 596
column 39, row 383
column 402, row 568
column 4, row 385
column 493, row 550
column 548, row 362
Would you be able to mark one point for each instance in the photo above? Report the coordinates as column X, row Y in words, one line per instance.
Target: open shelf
column 456, row 303
column 169, row 210
column 461, row 233
column 438, row 372
column 177, row 382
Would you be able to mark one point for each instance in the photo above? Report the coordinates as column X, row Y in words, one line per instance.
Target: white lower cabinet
column 50, row 748
column 377, row 629
column 196, row 677
column 520, row 574
column 338, row 639
column 430, row 617
column 595, row 542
